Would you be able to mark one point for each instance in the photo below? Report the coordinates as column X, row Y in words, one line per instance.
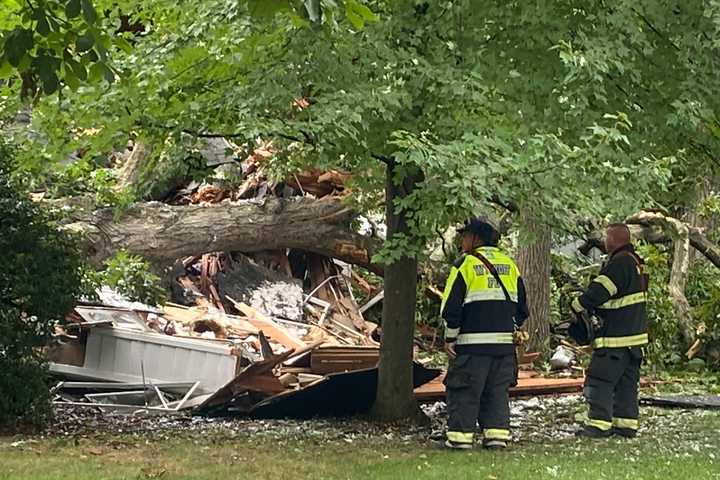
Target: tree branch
column 679, row 229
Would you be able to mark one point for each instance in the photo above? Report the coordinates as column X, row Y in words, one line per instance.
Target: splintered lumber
column 288, row 379
column 193, row 317
column 372, row 302
column 270, row 328
column 257, row 378
column 341, row 358
column 361, row 283
column 435, row 390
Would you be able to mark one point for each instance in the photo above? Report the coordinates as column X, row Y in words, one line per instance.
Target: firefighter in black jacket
column 617, row 297
column 481, row 317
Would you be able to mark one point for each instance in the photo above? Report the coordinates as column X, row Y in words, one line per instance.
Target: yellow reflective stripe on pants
column 599, row 424
column 484, row 338
column 497, row 434
column 617, row 342
column 625, row 301
column 607, row 283
column 460, row 437
column 631, row 423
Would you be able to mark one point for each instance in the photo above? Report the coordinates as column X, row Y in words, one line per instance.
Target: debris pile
column 267, row 334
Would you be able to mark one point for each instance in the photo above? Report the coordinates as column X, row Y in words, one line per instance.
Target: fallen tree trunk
column 163, row 233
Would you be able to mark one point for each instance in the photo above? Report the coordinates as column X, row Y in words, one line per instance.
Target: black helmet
column 483, row 228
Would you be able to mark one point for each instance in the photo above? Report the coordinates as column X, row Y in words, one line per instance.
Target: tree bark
column 130, row 172
column 395, row 399
column 163, row 233
column 534, row 265
column 646, row 233
column 682, row 259
column 695, row 235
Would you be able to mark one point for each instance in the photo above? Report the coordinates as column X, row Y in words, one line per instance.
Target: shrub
column 39, row 281
column 131, row 276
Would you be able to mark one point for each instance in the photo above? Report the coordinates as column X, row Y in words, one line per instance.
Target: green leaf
column 51, row 83
column 43, row 27
column 266, row 8
column 72, row 8
column 77, row 69
column 100, row 70
column 92, row 56
column 6, row 70
column 71, row 80
column 84, row 42
column 123, row 45
column 18, row 43
column 355, row 19
column 358, row 14
column 97, row 71
column 89, row 12
column 108, row 73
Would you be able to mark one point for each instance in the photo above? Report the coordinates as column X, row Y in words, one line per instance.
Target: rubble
column 282, row 340
column 245, row 363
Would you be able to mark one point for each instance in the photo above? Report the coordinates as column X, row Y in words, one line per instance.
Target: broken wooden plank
column 297, row 356
column 271, row 328
column 435, row 390
column 340, row 358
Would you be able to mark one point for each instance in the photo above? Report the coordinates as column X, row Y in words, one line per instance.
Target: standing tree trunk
column 534, row 265
column 395, row 399
column 682, row 259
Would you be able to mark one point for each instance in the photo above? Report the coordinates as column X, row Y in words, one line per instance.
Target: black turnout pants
column 477, row 392
column 611, row 388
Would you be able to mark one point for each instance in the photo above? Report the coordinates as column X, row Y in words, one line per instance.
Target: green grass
column 685, row 448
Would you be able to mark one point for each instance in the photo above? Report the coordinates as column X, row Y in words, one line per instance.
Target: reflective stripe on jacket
column 477, row 314
column 618, row 296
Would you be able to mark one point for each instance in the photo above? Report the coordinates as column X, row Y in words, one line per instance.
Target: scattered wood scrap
column 435, row 390
column 270, row 328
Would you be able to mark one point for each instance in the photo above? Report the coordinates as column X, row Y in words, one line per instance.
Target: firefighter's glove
column 520, row 337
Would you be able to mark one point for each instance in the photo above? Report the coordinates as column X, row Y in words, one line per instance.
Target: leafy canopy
column 567, row 109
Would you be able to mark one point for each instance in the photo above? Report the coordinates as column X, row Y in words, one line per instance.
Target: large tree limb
column 646, row 233
column 163, row 233
column 679, row 229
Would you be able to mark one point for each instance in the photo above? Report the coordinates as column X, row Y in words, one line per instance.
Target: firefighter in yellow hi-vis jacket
column 483, row 305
